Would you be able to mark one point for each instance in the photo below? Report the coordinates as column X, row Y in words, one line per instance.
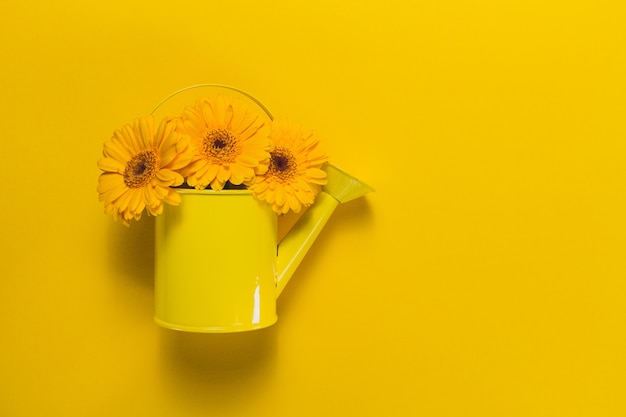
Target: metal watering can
column 218, row 264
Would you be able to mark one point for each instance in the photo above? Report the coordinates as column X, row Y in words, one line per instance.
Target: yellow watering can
column 218, row 264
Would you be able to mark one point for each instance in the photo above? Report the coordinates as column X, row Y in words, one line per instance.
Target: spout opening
column 342, row 186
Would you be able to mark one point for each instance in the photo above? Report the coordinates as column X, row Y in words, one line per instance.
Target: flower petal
column 110, row 165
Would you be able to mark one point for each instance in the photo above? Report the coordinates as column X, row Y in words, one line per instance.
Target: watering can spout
column 340, row 188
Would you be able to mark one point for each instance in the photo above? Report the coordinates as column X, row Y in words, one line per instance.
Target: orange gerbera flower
column 140, row 166
column 230, row 140
column 295, row 175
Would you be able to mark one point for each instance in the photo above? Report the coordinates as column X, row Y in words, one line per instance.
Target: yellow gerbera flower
column 140, row 166
column 230, row 140
column 294, row 176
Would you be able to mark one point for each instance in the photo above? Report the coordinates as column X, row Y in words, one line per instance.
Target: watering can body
column 218, row 265
column 215, row 263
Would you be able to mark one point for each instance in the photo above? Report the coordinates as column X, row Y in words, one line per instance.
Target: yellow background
column 485, row 277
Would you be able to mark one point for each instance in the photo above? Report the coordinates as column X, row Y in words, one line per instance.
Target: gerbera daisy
column 140, row 166
column 230, row 140
column 294, row 176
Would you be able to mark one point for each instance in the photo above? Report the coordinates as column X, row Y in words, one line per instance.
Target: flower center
column 220, row 145
column 141, row 169
column 283, row 164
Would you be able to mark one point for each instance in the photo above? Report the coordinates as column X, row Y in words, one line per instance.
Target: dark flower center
column 283, row 164
column 220, row 145
column 141, row 169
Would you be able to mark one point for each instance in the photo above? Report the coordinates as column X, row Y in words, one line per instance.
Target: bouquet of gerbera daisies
column 218, row 142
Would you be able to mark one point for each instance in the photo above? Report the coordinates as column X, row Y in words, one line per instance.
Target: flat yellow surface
column 486, row 276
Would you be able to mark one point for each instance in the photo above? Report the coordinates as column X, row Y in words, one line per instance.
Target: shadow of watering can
column 218, row 264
